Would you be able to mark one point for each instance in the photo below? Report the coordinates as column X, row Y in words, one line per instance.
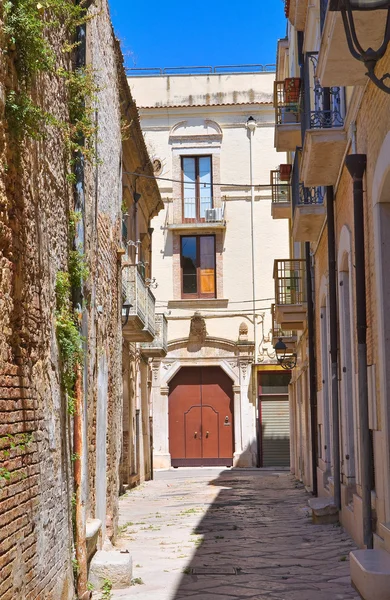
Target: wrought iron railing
column 159, row 345
column 322, row 107
column 287, row 101
column 196, row 210
column 302, row 195
column 290, row 281
column 281, row 190
column 277, row 331
column 140, row 297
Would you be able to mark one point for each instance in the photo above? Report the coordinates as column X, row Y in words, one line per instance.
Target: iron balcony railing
column 301, row 195
column 287, row 101
column 322, row 107
column 196, row 210
column 277, row 331
column 159, row 345
column 280, row 190
column 200, row 70
column 290, row 281
column 142, row 300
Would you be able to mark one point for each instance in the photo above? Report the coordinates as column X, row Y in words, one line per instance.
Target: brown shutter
column 207, row 265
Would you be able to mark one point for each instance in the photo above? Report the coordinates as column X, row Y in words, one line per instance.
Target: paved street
column 214, row 534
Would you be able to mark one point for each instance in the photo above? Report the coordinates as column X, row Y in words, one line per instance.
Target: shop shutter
column 275, row 422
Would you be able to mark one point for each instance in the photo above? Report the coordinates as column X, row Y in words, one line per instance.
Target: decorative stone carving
column 243, row 332
column 198, row 330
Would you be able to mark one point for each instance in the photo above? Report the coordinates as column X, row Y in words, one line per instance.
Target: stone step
column 324, row 510
column 385, row 533
column 112, row 565
column 370, row 573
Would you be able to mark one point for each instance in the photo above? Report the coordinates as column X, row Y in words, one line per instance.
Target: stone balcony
column 287, row 114
column 281, row 197
column 325, row 139
column 159, row 346
column 336, row 65
column 185, row 214
column 139, row 323
column 290, row 294
column 296, row 11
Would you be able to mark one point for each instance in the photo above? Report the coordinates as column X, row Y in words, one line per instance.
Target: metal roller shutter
column 275, row 424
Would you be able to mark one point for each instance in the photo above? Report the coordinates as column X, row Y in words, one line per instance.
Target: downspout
column 312, row 368
column 80, row 425
column 356, row 165
column 333, row 345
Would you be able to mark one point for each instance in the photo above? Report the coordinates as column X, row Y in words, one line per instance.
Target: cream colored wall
column 213, row 88
column 271, row 236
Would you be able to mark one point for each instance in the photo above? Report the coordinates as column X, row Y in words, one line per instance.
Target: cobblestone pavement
column 212, row 534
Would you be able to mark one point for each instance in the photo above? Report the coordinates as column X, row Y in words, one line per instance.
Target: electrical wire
column 238, row 185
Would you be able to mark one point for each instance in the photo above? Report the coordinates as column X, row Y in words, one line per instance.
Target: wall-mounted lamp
column 369, row 56
column 251, row 124
column 287, row 360
column 126, row 310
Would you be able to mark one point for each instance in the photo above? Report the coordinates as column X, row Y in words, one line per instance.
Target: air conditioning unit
column 213, row 215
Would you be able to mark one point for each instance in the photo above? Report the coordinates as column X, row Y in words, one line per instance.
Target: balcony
column 159, row 346
column 185, row 216
column 287, row 114
column 281, row 197
column 308, row 208
column 336, row 65
column 289, row 337
column 290, row 294
column 295, row 11
column 325, row 139
column 140, row 325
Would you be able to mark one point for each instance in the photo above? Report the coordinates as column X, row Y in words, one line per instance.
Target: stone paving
column 221, row 534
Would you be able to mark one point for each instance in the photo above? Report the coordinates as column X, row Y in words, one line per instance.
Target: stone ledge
column 115, row 566
column 92, row 529
column 324, row 510
column 370, row 573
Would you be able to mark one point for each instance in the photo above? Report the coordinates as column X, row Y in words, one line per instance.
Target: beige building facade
column 204, row 392
column 334, row 124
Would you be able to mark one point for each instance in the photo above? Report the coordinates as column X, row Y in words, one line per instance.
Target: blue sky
column 155, row 33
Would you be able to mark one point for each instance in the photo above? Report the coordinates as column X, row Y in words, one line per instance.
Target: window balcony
column 336, row 65
column 308, row 207
column 287, row 114
column 182, row 215
column 325, row 139
column 140, row 325
column 281, row 196
column 295, row 11
column 290, row 294
column 159, row 346
column 289, row 337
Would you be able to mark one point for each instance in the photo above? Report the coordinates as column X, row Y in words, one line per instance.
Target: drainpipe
column 333, row 345
column 356, row 165
column 312, row 368
column 80, row 522
column 80, row 424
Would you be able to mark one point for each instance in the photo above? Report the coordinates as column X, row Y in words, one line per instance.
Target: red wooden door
column 201, row 417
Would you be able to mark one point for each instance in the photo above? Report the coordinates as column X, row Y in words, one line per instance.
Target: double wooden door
column 201, row 417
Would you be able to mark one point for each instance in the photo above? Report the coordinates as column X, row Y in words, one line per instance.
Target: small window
column 197, row 187
column 198, row 266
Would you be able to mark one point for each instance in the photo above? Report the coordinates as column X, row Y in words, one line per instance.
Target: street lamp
column 126, row 309
column 287, row 360
column 369, row 56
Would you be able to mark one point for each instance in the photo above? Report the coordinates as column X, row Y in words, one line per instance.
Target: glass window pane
column 207, row 264
column 188, row 261
column 189, row 182
column 205, row 188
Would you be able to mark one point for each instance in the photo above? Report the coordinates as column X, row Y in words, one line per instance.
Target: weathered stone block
column 324, row 510
column 117, row 567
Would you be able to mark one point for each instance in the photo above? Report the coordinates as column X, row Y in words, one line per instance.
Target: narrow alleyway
column 213, row 534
